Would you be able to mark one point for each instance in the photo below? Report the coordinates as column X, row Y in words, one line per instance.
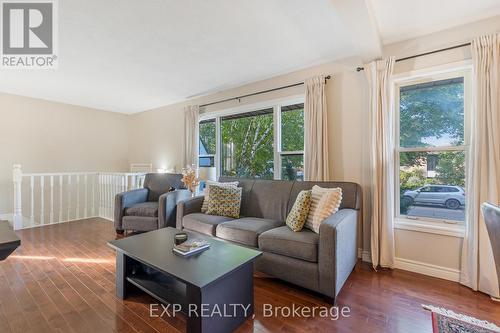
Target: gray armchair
column 152, row 207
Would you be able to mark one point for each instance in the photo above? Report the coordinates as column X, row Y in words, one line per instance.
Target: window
column 207, row 143
column 292, row 142
column 247, row 145
column 432, row 148
column 264, row 143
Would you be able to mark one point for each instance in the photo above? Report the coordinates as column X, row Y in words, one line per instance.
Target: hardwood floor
column 61, row 279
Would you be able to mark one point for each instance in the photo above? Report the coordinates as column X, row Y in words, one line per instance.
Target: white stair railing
column 65, row 196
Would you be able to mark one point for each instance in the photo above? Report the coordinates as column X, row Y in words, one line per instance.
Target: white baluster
column 51, row 218
column 112, row 187
column 125, row 183
column 105, row 196
column 77, row 196
column 69, row 197
column 133, row 184
column 85, row 179
column 100, row 193
column 60, row 198
column 94, row 177
column 32, row 188
column 17, row 177
column 111, row 191
column 42, row 199
column 118, row 187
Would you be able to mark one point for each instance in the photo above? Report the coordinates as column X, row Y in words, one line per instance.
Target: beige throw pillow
column 204, row 206
column 224, row 201
column 324, row 202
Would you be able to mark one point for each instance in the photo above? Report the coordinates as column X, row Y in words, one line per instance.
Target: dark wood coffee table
column 216, row 279
column 8, row 240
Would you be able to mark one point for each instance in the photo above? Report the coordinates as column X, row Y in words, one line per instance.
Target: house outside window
column 207, row 144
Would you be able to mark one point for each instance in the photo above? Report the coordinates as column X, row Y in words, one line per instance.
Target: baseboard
column 27, row 222
column 366, row 256
column 7, row 217
column 427, row 269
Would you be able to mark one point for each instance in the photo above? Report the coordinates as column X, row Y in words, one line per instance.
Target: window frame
column 426, row 224
column 279, row 152
column 276, row 105
column 208, row 155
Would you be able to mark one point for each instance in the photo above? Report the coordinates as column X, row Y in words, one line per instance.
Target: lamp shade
column 207, row 173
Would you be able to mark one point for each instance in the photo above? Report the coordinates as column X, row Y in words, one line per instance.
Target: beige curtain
column 379, row 75
column 316, row 166
column 478, row 267
column 191, row 132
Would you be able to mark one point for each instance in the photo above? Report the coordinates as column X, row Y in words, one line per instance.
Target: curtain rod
column 258, row 93
column 424, row 54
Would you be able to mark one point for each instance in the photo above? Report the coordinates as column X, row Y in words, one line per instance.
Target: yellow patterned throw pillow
column 204, row 206
column 224, row 201
column 298, row 214
column 324, row 202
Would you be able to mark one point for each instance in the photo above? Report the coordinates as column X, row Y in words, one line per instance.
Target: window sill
column 439, row 228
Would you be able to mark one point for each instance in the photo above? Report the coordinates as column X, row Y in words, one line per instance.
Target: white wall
column 46, row 136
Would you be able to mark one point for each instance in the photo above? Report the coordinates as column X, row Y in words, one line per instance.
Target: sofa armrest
column 338, row 252
column 127, row 199
column 189, row 206
column 167, row 208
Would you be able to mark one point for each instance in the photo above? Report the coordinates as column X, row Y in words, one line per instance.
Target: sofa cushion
column 269, row 199
column 301, row 245
column 149, row 209
column 140, row 223
column 203, row 223
column 245, row 230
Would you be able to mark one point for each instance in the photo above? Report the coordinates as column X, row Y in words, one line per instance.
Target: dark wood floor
column 62, row 280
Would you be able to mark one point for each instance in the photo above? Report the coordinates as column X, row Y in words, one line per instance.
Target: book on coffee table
column 191, row 246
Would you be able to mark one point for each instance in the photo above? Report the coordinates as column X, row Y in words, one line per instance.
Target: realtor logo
column 28, row 34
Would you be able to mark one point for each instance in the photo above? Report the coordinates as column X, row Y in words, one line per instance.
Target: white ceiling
column 398, row 20
column 129, row 56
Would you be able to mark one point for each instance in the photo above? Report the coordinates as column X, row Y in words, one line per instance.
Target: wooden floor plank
column 62, row 277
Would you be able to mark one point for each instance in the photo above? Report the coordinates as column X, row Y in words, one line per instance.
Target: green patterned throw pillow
column 298, row 215
column 224, row 201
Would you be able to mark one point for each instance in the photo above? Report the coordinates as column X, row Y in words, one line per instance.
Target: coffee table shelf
column 161, row 287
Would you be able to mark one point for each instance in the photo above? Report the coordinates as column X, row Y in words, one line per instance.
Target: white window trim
column 276, row 104
column 422, row 224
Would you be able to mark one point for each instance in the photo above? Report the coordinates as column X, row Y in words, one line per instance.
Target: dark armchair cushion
column 149, row 209
column 160, row 183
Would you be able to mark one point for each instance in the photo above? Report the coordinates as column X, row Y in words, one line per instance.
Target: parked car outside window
column 452, row 197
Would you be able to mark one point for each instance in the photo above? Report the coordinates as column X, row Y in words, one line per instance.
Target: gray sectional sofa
column 320, row 262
